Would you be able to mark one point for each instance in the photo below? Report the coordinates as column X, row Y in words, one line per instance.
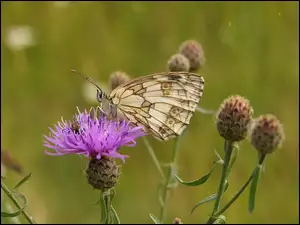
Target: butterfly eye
column 99, row 95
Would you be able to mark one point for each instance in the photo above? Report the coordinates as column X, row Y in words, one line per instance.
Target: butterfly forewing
column 162, row 103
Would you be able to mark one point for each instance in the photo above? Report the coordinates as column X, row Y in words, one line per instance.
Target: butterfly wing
column 162, row 103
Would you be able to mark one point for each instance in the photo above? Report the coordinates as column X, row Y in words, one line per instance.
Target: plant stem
column 16, row 203
column 228, row 150
column 103, row 209
column 168, row 181
column 236, row 195
column 243, row 188
column 154, row 158
column 115, row 215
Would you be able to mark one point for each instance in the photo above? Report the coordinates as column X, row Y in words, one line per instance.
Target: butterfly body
column 162, row 103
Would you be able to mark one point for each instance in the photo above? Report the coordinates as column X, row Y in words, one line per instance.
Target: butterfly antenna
column 87, row 78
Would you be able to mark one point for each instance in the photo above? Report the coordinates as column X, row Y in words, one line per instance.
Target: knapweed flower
column 178, row 62
column 266, row 134
column 193, row 51
column 91, row 134
column 117, row 78
column 234, row 118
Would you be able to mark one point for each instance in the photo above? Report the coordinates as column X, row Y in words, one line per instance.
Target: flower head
column 103, row 174
column 117, row 78
column 193, row 51
column 234, row 118
column 92, row 135
column 267, row 133
column 178, row 62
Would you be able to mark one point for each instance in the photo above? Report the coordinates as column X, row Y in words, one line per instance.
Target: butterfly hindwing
column 162, row 103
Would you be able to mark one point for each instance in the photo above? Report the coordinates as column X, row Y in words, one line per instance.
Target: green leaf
column 155, row 220
column 114, row 216
column 234, row 154
column 208, row 198
column 112, row 194
column 200, row 181
column 221, row 161
column 22, row 197
column 253, row 187
column 22, row 181
column 14, row 214
column 103, row 209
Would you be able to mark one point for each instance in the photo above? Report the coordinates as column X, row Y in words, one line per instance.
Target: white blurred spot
column 20, row 37
column 279, row 13
column 90, row 91
column 61, row 4
column 229, row 24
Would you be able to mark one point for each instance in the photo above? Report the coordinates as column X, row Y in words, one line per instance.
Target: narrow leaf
column 221, row 161
column 114, row 215
column 234, row 155
column 103, row 209
column 112, row 194
column 19, row 195
column 22, row 181
column 7, row 207
column 200, row 181
column 208, row 198
column 155, row 220
column 14, row 214
column 251, row 203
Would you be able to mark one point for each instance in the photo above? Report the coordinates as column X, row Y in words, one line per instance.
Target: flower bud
column 117, row 78
column 193, row 51
column 102, row 173
column 234, row 117
column 266, row 134
column 178, row 62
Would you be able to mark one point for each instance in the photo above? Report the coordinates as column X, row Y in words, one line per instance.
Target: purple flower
column 92, row 135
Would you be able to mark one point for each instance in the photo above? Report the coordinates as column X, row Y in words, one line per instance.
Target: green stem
column 104, row 214
column 153, row 156
column 168, row 181
column 243, row 188
column 16, row 203
column 108, row 213
column 115, row 215
column 261, row 159
column 235, row 197
column 228, row 145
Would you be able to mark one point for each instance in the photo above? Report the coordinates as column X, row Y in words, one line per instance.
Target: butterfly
column 162, row 103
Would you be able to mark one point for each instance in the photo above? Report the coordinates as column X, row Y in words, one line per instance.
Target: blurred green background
column 251, row 50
